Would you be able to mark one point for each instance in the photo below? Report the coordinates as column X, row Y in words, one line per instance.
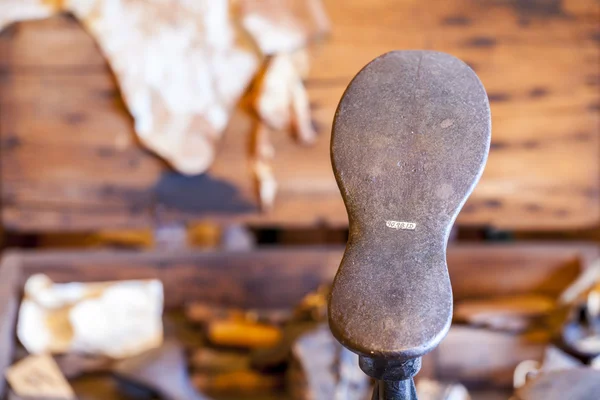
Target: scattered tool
column 321, row 369
column 161, row 372
column 572, row 384
column 410, row 139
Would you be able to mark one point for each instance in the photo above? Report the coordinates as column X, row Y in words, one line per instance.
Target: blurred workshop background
column 135, row 133
column 71, row 159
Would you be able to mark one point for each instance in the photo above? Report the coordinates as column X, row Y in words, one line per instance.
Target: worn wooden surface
column 277, row 278
column 273, row 279
column 69, row 158
column 486, row 358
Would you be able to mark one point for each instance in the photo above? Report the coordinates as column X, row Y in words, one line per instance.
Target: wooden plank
column 9, row 278
column 272, row 278
column 70, row 161
column 276, row 278
column 480, row 271
column 484, row 358
column 279, row 277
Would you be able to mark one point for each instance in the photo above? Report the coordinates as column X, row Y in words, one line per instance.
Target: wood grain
column 486, row 358
column 70, row 160
column 279, row 278
column 273, row 278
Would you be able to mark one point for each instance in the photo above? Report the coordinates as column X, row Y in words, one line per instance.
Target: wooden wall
column 69, row 159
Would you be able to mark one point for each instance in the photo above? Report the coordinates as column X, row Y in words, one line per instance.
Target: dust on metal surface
column 410, row 139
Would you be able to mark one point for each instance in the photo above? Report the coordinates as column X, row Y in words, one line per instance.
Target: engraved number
column 407, row 226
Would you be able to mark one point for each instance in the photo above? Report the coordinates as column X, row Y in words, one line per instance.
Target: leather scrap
column 262, row 167
column 281, row 100
column 180, row 67
column 38, row 376
column 284, row 26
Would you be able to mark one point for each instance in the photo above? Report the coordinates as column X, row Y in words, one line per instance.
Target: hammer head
column 410, row 139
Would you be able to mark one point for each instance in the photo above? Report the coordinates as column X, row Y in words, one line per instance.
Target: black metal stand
column 395, row 390
column 393, row 378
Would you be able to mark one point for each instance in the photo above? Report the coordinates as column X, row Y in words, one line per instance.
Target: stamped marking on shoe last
column 406, row 226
